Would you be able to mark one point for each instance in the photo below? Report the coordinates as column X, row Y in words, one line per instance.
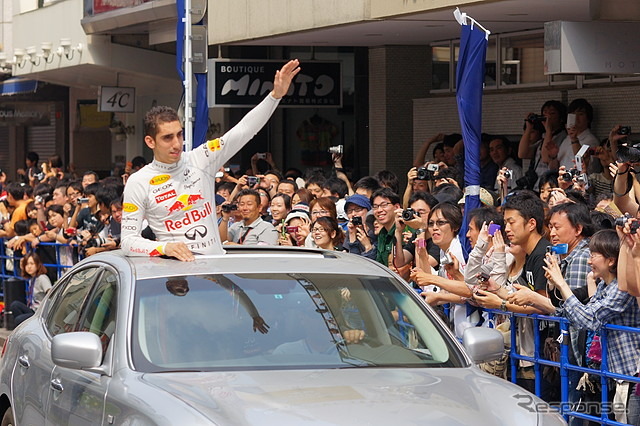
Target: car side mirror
column 79, row 350
column 483, row 344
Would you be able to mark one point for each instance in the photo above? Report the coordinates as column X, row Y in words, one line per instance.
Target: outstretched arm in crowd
column 622, row 185
column 422, row 153
column 340, row 174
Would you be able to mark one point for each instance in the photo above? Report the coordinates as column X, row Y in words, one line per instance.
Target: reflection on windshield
column 257, row 321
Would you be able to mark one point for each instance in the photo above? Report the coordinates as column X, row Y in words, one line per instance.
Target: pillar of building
column 397, row 76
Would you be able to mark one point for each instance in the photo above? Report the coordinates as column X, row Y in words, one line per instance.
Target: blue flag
column 470, row 78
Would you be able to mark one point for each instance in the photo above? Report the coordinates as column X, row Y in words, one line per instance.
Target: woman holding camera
column 296, row 228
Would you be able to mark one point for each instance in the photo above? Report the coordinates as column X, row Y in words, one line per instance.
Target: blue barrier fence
column 565, row 366
column 13, row 259
column 10, row 261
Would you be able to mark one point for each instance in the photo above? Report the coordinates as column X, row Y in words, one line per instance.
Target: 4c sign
column 117, row 99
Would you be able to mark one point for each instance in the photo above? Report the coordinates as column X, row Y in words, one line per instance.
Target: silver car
column 256, row 336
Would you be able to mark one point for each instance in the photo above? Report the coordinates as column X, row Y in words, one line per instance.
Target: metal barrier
column 7, row 258
column 564, row 365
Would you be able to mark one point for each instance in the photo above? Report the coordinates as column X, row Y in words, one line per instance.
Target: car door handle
column 56, row 385
column 24, row 361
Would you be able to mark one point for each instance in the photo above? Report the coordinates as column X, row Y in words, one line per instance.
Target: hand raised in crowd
column 499, row 246
column 283, row 78
column 613, row 169
column 412, row 174
column 363, row 238
column 422, row 278
column 431, row 297
column 242, row 181
column 562, row 183
column 483, row 235
column 453, row 268
column 553, row 272
column 285, row 240
column 557, row 196
column 615, row 138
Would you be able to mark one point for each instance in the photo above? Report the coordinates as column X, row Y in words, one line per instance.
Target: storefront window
column 490, row 64
column 440, row 67
column 522, row 59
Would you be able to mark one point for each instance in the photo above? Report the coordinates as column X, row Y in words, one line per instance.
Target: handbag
column 595, row 350
column 498, row 367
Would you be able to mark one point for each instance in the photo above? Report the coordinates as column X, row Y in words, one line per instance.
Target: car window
column 99, row 316
column 68, row 301
column 274, row 321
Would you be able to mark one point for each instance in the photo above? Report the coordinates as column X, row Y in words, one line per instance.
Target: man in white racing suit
column 175, row 193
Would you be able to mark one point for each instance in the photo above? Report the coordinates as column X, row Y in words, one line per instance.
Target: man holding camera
column 252, row 230
column 175, row 192
column 578, row 133
column 360, row 237
column 500, row 152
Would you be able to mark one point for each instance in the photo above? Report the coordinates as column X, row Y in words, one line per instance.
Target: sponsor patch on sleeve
column 129, row 207
column 157, row 251
column 214, row 145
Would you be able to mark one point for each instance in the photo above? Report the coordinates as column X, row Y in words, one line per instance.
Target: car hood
column 458, row 396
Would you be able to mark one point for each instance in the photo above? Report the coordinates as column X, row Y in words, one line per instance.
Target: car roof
column 249, row 259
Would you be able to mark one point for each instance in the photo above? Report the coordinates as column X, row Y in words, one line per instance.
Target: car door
column 77, row 397
column 32, row 375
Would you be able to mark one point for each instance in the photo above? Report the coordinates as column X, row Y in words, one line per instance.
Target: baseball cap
column 359, row 200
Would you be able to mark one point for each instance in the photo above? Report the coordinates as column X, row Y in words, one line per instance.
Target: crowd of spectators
column 555, row 233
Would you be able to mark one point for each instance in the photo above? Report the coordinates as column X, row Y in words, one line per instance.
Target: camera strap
column 629, row 184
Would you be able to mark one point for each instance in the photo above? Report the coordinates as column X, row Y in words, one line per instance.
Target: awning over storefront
column 16, row 86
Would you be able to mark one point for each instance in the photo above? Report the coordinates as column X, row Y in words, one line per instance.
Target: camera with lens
column 508, row 174
column 423, row 173
column 39, row 176
column 253, row 180
column 427, row 173
column 356, row 221
column 634, row 224
column 536, row 120
column 228, row 208
column 582, row 178
column 446, row 259
column 569, row 175
column 624, row 130
column 409, row 214
column 338, row 149
column 628, row 153
column 528, row 181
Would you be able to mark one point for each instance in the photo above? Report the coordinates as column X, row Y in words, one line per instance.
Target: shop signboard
column 245, row 83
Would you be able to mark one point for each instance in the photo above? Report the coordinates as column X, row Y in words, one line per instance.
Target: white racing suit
column 178, row 200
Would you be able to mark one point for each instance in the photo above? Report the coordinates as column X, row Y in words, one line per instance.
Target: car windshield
column 280, row 321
